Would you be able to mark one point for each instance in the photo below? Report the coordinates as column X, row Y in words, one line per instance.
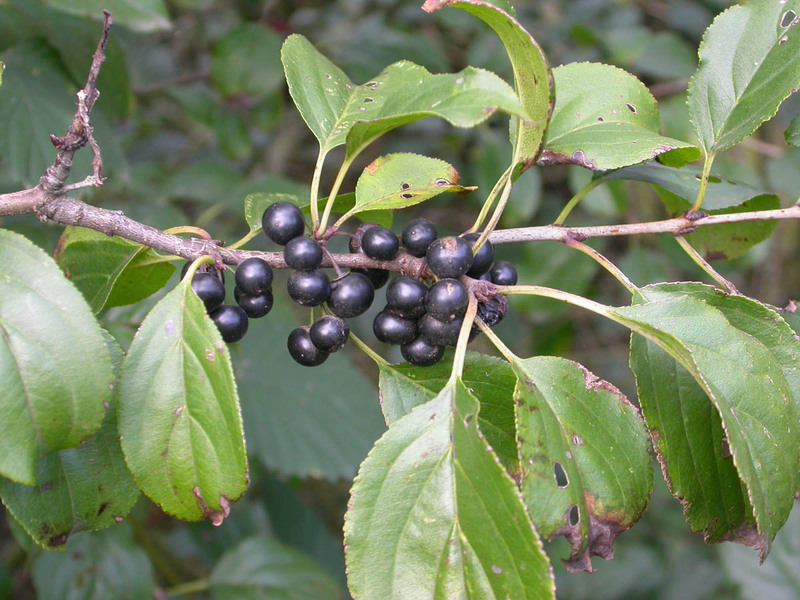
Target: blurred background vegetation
column 194, row 115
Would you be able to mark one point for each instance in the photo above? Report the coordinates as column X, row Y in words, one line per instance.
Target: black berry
column 309, row 288
column 417, row 236
column 231, row 322
column 420, row 353
column 393, row 329
column 253, row 276
column 439, row 333
column 449, row 257
column 377, row 277
column 351, row 295
column 209, row 289
column 329, row 333
column 255, row 306
column 503, row 273
column 380, row 243
column 303, row 350
column 447, row 300
column 482, row 260
column 303, row 253
column 406, row 296
column 493, row 310
column 282, row 222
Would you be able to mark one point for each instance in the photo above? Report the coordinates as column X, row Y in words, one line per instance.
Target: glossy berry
column 282, row 222
column 391, row 328
column 449, row 257
column 209, row 289
column 309, row 288
column 377, row 277
column 439, row 333
column 503, row 273
column 380, row 243
column 406, row 296
column 351, row 295
column 417, row 236
column 253, row 276
column 420, row 353
column 329, row 333
column 231, row 322
column 303, row 350
column 482, row 261
column 303, row 253
column 256, row 306
column 447, row 300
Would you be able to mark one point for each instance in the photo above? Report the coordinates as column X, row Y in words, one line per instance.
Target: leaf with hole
column 586, row 472
column 178, row 415
column 532, row 77
column 53, row 361
column 749, row 64
column 433, row 514
column 605, row 118
column 491, row 380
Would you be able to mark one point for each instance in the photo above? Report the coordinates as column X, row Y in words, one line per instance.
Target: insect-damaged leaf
column 749, row 63
column 744, row 379
column 532, row 78
column 400, row 180
column 433, row 515
column 179, row 419
column 585, row 468
column 605, row 118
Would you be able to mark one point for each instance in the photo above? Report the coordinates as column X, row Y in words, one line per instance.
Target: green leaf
column 317, row 422
column 749, row 64
column 792, row 133
column 400, row 180
column 583, row 450
column 179, row 418
column 243, row 61
column 55, row 370
column 100, row 266
column 605, row 118
column 746, row 385
column 107, row 564
column 491, row 380
column 331, row 104
column 433, row 515
column 79, row 489
column 532, row 77
column 139, row 15
column 262, row 568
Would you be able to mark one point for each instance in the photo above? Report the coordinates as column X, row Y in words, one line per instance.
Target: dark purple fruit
column 503, row 273
column 393, row 329
column 377, row 277
column 303, row 350
column 253, row 276
column 380, row 243
column 231, row 322
column 309, row 288
column 417, row 236
column 482, row 260
column 493, row 310
column 303, row 253
column 439, row 333
column 449, row 257
column 255, row 306
column 209, row 289
column 447, row 300
column 420, row 353
column 282, row 222
column 351, row 295
column 329, row 333
column 406, row 296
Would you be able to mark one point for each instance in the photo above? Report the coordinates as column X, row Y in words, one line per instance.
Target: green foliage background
column 194, row 115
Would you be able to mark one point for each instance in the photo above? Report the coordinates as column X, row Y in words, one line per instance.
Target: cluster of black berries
column 253, row 294
column 424, row 320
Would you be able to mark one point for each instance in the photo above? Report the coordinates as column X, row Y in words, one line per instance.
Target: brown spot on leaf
column 372, row 167
column 216, row 516
column 603, row 530
column 548, row 158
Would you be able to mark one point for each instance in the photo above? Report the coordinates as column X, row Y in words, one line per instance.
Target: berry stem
column 575, row 200
column 498, row 212
column 706, row 266
column 463, row 338
column 490, row 200
column 497, row 342
column 189, row 229
column 239, row 243
column 314, row 194
column 196, row 265
column 334, row 264
column 377, row 358
column 337, row 184
column 603, row 262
